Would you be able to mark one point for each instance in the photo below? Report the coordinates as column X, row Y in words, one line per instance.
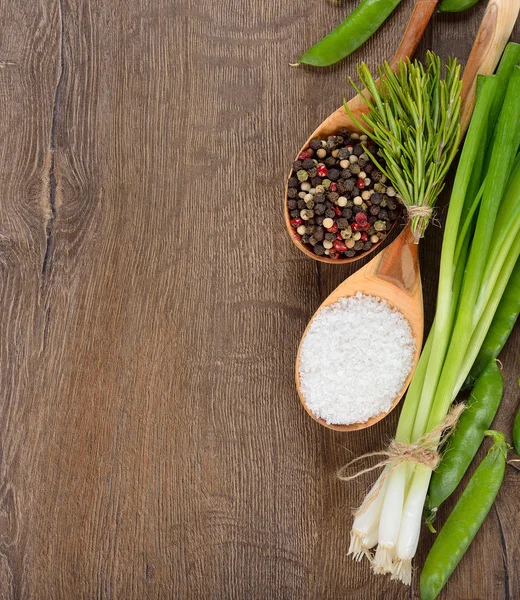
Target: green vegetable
column 501, row 326
column 480, row 249
column 355, row 30
column 516, row 431
column 465, row 519
column 456, row 5
column 414, row 119
column 463, row 444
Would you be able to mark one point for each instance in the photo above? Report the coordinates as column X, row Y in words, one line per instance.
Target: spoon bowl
column 393, row 275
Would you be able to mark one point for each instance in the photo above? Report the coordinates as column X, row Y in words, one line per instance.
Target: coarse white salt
column 355, row 359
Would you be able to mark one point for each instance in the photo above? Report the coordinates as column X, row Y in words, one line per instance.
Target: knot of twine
column 421, row 452
column 419, row 210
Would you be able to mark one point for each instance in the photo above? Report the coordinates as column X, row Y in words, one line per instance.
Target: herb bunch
column 414, row 118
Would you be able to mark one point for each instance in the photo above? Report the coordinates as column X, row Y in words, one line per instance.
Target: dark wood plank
column 152, row 444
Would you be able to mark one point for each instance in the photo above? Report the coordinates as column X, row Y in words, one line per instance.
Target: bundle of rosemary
column 414, row 118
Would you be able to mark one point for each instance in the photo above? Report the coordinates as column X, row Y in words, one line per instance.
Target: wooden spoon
column 394, row 276
column 495, row 29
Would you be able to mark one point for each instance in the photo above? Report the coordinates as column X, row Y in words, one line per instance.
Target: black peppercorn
column 319, row 220
column 292, row 204
column 367, row 246
column 343, row 154
column 301, row 204
column 319, row 250
column 342, row 223
column 292, row 192
column 319, row 209
column 350, row 253
column 330, row 236
column 350, row 185
column 346, row 174
column 293, row 182
column 333, row 196
column 376, row 199
column 333, row 175
column 330, row 162
column 375, row 176
column 358, row 246
column 369, row 167
column 330, row 213
column 313, row 172
column 305, row 238
column 347, row 213
column 319, row 233
column 294, row 214
column 297, row 165
column 374, row 210
column 315, row 144
column 358, row 150
column 308, row 163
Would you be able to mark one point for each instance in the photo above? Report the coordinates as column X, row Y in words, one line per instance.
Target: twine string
column 421, row 452
column 419, row 210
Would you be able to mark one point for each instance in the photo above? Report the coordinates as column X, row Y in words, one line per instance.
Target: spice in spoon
column 351, row 372
column 339, row 202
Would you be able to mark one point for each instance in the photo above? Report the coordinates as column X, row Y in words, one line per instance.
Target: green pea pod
column 355, row 30
column 463, row 444
column 456, row 5
column 465, row 519
column 503, row 322
column 516, row 431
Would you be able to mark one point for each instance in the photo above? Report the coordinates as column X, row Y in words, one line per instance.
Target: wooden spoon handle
column 421, row 15
column 493, row 34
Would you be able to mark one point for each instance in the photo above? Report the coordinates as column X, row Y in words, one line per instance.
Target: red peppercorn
column 297, row 236
column 364, row 237
column 296, row 222
column 340, row 246
column 360, row 183
column 337, row 210
column 333, row 187
column 361, row 218
column 338, row 236
column 322, row 170
column 354, row 226
column 333, row 229
column 333, row 254
column 303, row 155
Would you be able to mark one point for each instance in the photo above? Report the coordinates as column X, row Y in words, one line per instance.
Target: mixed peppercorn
column 338, row 201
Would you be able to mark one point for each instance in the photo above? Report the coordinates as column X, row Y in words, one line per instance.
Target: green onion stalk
column 480, row 249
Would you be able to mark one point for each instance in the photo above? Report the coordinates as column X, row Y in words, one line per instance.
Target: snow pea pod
column 503, row 322
column 463, row 444
column 516, row 431
column 355, row 30
column 456, row 5
column 465, row 519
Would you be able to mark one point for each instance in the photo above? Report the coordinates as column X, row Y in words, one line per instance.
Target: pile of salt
column 354, row 359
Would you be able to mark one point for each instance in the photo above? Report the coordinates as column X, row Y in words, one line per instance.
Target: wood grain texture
column 152, row 444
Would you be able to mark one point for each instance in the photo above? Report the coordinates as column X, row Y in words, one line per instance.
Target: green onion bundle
column 481, row 247
column 415, row 120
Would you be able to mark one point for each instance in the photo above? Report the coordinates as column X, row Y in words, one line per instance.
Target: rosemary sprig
column 414, row 118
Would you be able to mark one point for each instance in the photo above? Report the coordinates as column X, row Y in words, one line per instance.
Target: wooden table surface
column 152, row 444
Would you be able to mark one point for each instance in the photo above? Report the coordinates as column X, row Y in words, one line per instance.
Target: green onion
column 481, row 247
